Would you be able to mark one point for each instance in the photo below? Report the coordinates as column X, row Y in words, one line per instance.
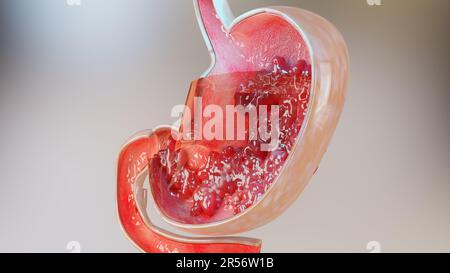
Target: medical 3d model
column 253, row 131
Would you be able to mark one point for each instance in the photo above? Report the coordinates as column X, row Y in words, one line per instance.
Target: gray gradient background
column 76, row 82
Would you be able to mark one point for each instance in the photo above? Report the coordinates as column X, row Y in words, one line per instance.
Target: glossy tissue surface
column 205, row 181
column 261, row 60
column 281, row 59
